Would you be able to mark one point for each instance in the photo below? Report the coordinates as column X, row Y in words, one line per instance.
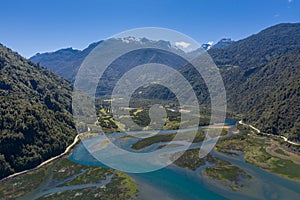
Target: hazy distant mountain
column 135, row 58
column 35, row 121
column 64, row 62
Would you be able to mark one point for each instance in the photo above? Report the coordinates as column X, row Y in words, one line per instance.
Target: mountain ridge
column 243, row 62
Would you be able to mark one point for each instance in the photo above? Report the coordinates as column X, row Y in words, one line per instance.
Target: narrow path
column 268, row 134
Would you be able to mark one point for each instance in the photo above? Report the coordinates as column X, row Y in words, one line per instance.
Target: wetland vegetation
column 254, row 148
column 67, row 174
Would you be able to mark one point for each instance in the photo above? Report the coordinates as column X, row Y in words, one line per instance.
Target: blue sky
column 32, row 26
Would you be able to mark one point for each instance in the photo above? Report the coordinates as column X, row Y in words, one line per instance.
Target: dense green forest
column 278, row 111
column 261, row 75
column 35, row 121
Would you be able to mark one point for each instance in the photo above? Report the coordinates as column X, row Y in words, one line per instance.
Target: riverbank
column 165, row 178
column 67, row 151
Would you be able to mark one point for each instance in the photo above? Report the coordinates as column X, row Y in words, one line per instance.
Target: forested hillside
column 261, row 75
column 276, row 88
column 35, row 121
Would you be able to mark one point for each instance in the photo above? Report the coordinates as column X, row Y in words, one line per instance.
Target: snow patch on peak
column 131, row 39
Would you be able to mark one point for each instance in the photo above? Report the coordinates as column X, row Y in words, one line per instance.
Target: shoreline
column 147, row 190
column 68, row 149
column 77, row 139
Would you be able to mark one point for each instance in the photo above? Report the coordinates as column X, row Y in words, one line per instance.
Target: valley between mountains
column 257, row 155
